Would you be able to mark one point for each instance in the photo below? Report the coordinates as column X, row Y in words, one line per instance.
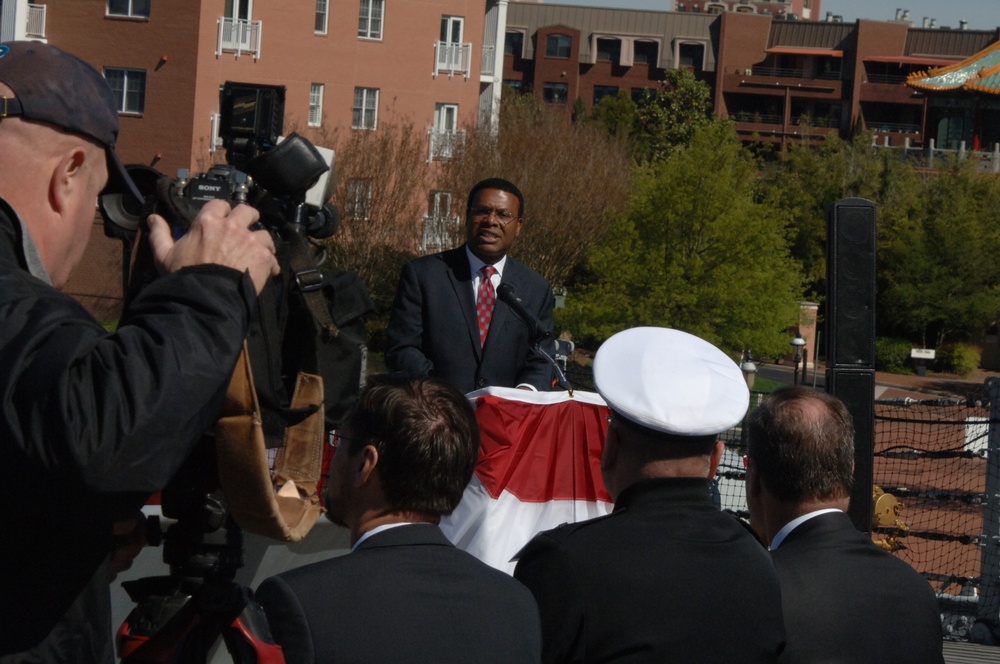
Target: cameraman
column 93, row 422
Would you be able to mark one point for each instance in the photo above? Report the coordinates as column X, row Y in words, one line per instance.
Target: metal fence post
column 988, row 611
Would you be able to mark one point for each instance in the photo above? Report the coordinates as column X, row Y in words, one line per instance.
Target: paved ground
column 891, row 386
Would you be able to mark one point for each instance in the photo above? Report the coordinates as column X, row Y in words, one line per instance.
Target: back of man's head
column 801, row 441
column 427, row 438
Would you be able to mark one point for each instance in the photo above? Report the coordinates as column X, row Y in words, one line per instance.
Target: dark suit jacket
column 433, row 328
column 404, row 595
column 846, row 600
column 666, row 577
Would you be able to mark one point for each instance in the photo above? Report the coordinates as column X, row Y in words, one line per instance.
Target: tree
column 573, row 176
column 382, row 181
column 696, row 251
column 938, row 274
column 669, row 117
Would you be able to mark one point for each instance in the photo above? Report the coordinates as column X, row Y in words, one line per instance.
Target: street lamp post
column 798, row 343
column 749, row 369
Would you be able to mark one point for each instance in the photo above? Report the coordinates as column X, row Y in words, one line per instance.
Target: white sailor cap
column 670, row 381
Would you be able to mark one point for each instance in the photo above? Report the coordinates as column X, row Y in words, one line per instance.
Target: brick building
column 344, row 65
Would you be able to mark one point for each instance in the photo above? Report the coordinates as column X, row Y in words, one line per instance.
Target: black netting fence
column 931, row 458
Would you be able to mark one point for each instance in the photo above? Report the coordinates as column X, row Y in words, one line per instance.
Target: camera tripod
column 179, row 618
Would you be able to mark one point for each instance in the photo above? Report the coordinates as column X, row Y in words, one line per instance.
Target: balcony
column 239, row 37
column 35, row 28
column 488, row 60
column 779, row 72
column 443, row 144
column 451, row 58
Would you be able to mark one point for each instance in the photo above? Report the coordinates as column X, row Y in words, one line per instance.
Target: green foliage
column 661, row 122
column 892, row 355
column 669, row 118
column 938, row 273
column 696, row 251
column 958, row 358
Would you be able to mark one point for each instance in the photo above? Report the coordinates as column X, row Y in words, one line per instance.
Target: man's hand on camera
column 219, row 235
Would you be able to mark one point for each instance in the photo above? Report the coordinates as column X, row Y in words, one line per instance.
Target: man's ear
column 609, row 455
column 715, row 458
column 365, row 464
column 67, row 178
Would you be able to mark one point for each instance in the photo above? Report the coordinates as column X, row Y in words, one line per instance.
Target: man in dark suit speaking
column 843, row 598
column 446, row 319
column 404, row 593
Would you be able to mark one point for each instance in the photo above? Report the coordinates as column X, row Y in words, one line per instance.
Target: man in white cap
column 666, row 576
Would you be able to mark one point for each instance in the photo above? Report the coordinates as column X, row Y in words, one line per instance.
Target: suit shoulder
column 524, row 271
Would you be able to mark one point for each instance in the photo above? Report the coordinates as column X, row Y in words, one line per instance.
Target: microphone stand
column 560, row 374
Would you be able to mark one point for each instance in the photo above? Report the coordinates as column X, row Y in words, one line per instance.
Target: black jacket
column 433, row 328
column 404, row 595
column 666, row 577
column 846, row 600
column 93, row 422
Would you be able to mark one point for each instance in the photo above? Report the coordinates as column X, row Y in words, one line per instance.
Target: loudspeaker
column 857, row 390
column 850, row 270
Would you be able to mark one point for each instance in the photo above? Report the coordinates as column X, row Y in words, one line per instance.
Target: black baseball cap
column 56, row 87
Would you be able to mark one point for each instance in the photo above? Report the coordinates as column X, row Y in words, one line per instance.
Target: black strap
column 10, row 106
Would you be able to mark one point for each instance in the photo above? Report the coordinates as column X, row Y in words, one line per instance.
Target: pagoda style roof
column 976, row 73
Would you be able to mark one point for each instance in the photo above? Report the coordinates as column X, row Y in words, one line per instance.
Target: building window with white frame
column 358, row 205
column 129, row 86
column 365, row 115
column 440, row 224
column 444, row 133
column 370, row 19
column 322, row 16
column 316, row 104
column 130, row 8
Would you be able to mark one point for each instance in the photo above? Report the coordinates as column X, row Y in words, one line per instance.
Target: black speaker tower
column 850, row 373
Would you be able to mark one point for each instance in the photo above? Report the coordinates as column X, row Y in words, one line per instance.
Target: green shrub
column 892, row 355
column 958, row 358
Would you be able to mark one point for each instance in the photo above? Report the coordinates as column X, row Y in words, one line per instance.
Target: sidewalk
column 934, row 385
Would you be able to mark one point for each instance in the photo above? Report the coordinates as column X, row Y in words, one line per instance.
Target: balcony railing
column 239, row 36
column 442, row 144
column 36, row 22
column 780, row 72
column 886, row 78
column 816, row 121
column 757, row 118
column 488, row 60
column 893, row 127
column 451, row 58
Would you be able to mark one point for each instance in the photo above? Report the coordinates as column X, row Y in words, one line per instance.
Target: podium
column 539, row 467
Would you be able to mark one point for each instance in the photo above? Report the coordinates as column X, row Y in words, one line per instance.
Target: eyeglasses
column 483, row 212
column 336, row 440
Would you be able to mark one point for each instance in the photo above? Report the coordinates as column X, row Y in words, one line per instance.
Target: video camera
column 289, row 180
column 291, row 340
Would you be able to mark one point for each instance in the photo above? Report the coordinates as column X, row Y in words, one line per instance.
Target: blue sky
column 981, row 14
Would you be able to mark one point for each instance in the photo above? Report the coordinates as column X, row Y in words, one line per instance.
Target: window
column 445, row 131
column 602, row 91
column 450, row 45
column 513, row 85
column 359, row 199
column 440, row 224
column 370, row 19
column 322, row 16
column 133, row 8
column 691, row 56
column 316, row 105
column 609, row 50
column 645, row 52
column 558, row 46
column 513, row 43
column 129, row 86
column 555, row 93
column 365, row 108
column 640, row 94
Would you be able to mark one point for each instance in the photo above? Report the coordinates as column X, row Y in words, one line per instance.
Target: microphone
column 538, row 331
